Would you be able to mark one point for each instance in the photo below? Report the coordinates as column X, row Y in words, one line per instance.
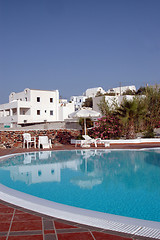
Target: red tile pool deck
column 18, row 223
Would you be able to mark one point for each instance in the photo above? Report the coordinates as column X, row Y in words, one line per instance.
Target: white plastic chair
column 44, row 142
column 28, row 140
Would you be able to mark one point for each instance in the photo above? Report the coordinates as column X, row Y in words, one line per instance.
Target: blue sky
column 72, row 45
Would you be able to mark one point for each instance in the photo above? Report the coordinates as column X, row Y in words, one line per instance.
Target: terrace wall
column 14, row 139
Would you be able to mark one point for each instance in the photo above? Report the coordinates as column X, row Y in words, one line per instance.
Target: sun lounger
column 82, row 143
column 96, row 141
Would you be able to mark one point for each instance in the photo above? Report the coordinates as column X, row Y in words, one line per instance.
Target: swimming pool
column 124, row 183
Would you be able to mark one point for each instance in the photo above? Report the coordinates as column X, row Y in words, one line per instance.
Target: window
column 51, row 112
column 51, row 100
column 45, row 111
column 26, row 99
column 38, row 99
column 38, row 112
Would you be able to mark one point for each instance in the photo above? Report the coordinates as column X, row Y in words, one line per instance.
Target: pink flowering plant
column 107, row 127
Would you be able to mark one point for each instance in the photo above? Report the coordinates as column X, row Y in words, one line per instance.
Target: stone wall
column 14, row 139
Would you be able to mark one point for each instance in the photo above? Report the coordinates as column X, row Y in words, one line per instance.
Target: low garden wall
column 14, row 139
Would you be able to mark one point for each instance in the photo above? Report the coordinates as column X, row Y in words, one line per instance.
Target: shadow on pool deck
column 17, row 223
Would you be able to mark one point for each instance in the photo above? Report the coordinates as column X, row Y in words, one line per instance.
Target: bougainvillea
column 107, row 127
column 157, row 124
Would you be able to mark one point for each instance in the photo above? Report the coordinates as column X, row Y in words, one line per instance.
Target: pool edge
column 136, row 227
column 116, row 223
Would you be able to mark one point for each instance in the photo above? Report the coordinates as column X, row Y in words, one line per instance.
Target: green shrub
column 149, row 133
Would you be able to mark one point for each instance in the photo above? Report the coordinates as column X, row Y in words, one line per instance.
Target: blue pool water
column 125, row 183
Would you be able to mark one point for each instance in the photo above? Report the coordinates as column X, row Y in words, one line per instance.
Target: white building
column 91, row 92
column 111, row 100
column 65, row 108
column 120, row 90
column 78, row 101
column 31, row 106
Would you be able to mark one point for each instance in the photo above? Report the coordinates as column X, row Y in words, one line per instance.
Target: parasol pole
column 85, row 129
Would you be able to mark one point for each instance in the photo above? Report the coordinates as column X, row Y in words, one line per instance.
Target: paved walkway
column 21, row 224
column 17, row 223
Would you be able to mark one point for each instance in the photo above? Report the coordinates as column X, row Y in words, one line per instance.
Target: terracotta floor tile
column 25, row 217
column 48, row 224
column 5, row 217
column 26, row 226
column 4, row 226
column 59, row 225
column 103, row 236
column 75, row 236
column 6, row 210
column 1, row 205
column 48, row 231
column 19, row 211
column 2, row 238
column 31, row 237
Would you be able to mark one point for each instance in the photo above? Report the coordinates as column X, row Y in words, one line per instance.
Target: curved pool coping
column 105, row 221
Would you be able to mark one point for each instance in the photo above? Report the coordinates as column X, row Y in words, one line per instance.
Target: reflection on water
column 155, row 159
column 110, row 181
column 97, row 165
column 38, row 167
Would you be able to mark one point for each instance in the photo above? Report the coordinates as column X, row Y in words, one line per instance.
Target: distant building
column 92, row 92
column 120, row 90
column 110, row 100
column 78, row 101
column 31, row 107
column 65, row 108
